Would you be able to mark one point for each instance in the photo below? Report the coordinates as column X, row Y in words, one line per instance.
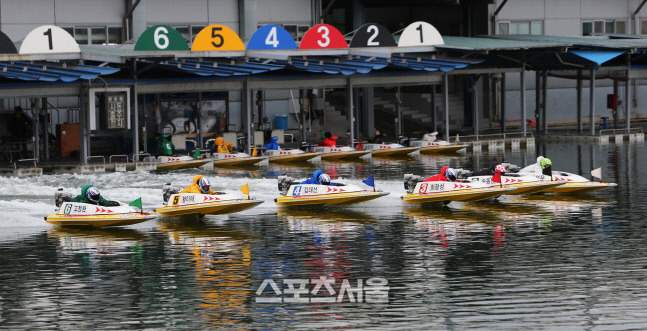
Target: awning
column 598, row 57
column 223, row 68
column 49, row 72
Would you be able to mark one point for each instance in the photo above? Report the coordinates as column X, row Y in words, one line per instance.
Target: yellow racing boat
column 288, row 155
column 181, row 204
column 176, row 162
column 296, row 194
column 338, row 153
column 85, row 214
column 419, row 191
column 388, row 149
column 234, row 159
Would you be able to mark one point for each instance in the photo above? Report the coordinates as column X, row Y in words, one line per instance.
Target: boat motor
column 410, row 182
column 60, row 197
column 168, row 190
column 284, row 183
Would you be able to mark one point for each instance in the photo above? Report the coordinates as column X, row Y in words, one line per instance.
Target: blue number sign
column 271, row 37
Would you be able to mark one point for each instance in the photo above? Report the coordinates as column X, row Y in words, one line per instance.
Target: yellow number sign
column 217, row 38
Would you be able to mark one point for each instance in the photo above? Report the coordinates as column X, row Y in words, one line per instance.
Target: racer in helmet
column 546, row 166
column 90, row 194
column 446, row 174
column 201, row 185
column 319, row 177
column 493, row 169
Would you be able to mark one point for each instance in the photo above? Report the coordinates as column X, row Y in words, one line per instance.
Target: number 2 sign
column 372, row 35
column 323, row 36
column 271, row 37
column 217, row 38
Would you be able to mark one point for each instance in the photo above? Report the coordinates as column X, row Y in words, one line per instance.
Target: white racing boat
column 85, row 214
column 296, row 194
column 522, row 184
column 180, row 204
column 388, row 149
column 288, row 155
column 434, row 145
column 419, row 191
column 176, row 162
column 339, row 152
column 572, row 183
column 234, row 159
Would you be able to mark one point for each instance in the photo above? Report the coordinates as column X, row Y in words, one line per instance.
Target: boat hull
column 442, row 149
column 458, row 195
column 300, row 157
column 344, row 155
column 238, row 161
column 210, row 208
column 181, row 164
column 99, row 220
column 329, row 199
column 580, row 187
column 532, row 187
column 394, row 151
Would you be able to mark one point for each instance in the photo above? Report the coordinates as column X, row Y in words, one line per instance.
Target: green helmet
column 545, row 162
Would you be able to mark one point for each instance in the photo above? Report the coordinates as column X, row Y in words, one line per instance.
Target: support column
column 446, row 104
column 433, row 108
column 45, row 128
column 522, row 90
column 83, row 122
column 350, row 109
column 475, row 106
column 135, row 127
column 248, row 116
column 248, row 18
column 627, row 102
column 398, row 111
column 368, row 111
column 537, row 101
column 302, row 112
column 199, row 121
column 35, row 125
column 614, row 112
column 579, row 101
column 544, row 101
column 592, row 103
column 503, row 114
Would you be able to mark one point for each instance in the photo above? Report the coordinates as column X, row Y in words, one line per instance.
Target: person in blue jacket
column 273, row 144
column 318, row 177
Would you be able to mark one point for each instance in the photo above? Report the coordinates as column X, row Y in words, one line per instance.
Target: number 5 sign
column 323, row 36
column 217, row 38
column 49, row 39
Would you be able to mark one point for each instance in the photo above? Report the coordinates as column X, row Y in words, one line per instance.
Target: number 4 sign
column 323, row 36
column 271, row 37
column 420, row 34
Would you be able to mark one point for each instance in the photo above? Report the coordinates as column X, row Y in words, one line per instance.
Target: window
column 96, row 35
column 528, row 27
column 114, row 35
column 301, row 31
column 606, row 26
column 292, row 29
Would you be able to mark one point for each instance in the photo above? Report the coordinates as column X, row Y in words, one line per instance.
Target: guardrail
column 136, row 156
column 120, row 155
column 611, row 132
column 15, row 166
column 96, row 157
column 493, row 136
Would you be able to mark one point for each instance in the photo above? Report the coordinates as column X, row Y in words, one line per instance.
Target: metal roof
column 596, row 42
column 488, row 44
column 49, row 72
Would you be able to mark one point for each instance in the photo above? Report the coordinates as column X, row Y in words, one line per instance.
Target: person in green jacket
column 165, row 146
column 90, row 194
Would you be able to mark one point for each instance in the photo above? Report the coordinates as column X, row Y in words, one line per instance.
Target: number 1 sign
column 323, row 36
column 49, row 39
column 271, row 37
column 420, row 34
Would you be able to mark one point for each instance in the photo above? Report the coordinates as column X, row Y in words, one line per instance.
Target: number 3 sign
column 217, row 38
column 323, row 36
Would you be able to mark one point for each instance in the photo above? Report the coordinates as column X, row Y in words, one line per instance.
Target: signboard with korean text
column 115, row 110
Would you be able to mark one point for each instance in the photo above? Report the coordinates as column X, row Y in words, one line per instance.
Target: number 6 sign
column 323, row 36
column 161, row 38
column 217, row 38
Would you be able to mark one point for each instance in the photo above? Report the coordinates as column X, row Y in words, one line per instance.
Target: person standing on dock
column 21, row 128
column 165, row 146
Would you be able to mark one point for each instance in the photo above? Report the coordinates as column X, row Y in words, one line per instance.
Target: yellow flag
column 245, row 189
column 254, row 151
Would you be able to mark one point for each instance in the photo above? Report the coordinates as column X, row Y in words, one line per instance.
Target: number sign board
column 161, row 38
column 115, row 110
column 6, row 45
column 323, row 36
column 271, row 37
column 420, row 34
column 372, row 35
column 217, row 38
column 49, row 39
